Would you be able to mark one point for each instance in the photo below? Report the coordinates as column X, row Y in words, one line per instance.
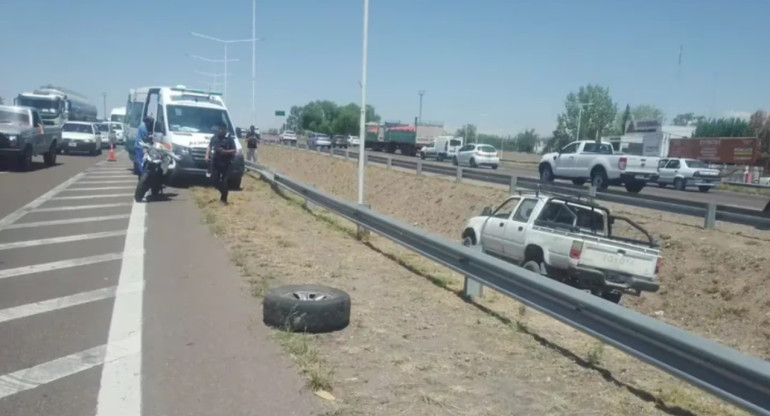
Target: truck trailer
column 391, row 137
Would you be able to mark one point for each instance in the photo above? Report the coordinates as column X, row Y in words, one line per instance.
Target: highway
column 112, row 307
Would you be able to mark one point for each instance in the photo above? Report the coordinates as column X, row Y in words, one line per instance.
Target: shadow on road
column 11, row 167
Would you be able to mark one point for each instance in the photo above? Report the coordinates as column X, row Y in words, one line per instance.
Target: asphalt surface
column 110, row 307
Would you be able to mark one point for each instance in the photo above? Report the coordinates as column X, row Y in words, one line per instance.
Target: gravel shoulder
column 413, row 346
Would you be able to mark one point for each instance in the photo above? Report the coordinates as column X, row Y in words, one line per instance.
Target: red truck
column 731, row 150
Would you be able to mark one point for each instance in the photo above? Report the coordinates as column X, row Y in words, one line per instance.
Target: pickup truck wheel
column 25, row 160
column 680, row 184
column 613, row 297
column 635, row 187
column 546, row 174
column 306, row 308
column 50, row 157
column 468, row 241
column 704, row 188
column 578, row 182
column 494, row 167
column 599, row 179
column 534, row 267
column 422, row 155
column 440, row 158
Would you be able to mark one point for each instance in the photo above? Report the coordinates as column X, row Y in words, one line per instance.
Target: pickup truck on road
column 586, row 160
column 23, row 135
column 568, row 240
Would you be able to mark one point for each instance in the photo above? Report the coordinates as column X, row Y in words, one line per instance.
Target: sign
column 280, row 113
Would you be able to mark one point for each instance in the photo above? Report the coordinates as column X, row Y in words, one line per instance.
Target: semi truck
column 391, row 137
column 58, row 105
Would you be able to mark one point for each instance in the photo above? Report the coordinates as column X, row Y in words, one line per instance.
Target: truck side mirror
column 486, row 212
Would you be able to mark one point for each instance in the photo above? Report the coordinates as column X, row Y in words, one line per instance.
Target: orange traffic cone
column 111, row 157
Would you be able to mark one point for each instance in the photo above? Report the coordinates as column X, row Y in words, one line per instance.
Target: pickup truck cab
column 593, row 161
column 23, row 135
column 568, row 240
column 682, row 173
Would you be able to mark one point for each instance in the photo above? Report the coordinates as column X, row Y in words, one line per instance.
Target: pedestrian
column 222, row 154
column 252, row 141
column 142, row 136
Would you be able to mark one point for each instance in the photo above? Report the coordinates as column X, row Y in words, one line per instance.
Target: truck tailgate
column 620, row 259
column 642, row 164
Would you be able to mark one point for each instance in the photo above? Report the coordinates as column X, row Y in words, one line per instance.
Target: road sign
column 280, row 113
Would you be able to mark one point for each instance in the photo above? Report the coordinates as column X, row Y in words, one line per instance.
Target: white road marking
column 79, row 207
column 120, row 390
column 50, row 305
column 68, row 221
column 59, row 240
column 33, row 377
column 56, row 265
column 103, row 182
column 128, row 175
column 110, row 172
column 64, row 198
column 105, row 188
column 14, row 216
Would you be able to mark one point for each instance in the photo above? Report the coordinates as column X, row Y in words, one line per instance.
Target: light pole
column 253, row 62
column 213, row 76
column 362, row 130
column 216, row 61
column 104, row 104
column 421, row 93
column 580, row 116
column 226, row 43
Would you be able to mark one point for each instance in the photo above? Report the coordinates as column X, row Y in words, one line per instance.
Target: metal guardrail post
column 389, row 162
column 419, row 167
column 711, row 216
column 512, row 186
column 592, row 192
column 459, row 177
column 472, row 289
column 347, row 154
column 362, row 234
column 366, row 159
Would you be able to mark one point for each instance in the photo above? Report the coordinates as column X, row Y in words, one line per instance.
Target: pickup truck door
column 564, row 164
column 494, row 228
column 515, row 235
column 668, row 172
column 586, row 157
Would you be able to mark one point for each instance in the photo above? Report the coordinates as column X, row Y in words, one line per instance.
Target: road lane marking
column 33, row 377
column 110, row 172
column 105, row 188
column 79, row 207
column 68, row 198
column 57, row 265
column 120, row 388
column 14, row 216
column 50, row 305
column 129, row 175
column 68, row 221
column 58, row 240
column 103, row 182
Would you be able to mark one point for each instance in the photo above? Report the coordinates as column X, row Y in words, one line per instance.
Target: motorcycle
column 157, row 161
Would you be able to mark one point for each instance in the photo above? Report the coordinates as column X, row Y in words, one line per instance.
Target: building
column 648, row 138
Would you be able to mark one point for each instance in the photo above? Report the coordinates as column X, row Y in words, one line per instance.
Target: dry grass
column 744, row 189
column 308, row 358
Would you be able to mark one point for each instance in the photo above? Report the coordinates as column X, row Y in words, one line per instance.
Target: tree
column 625, row 119
column 323, row 116
column 560, row 136
column 526, row 141
column 597, row 118
column 647, row 112
column 468, row 132
column 293, row 121
column 687, row 119
column 760, row 125
column 724, row 127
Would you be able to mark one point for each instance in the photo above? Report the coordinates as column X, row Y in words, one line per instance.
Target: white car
column 586, row 160
column 288, row 137
column 475, row 155
column 117, row 131
column 682, row 173
column 81, row 136
column 354, row 141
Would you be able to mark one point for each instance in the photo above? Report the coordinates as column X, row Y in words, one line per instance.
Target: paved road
column 110, row 307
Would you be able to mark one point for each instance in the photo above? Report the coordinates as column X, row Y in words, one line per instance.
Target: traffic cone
column 111, row 157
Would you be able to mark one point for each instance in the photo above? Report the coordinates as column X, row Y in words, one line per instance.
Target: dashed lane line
column 73, row 198
column 50, row 305
column 14, row 216
column 103, row 182
column 104, row 188
column 67, row 221
column 59, row 240
column 79, row 207
column 57, row 265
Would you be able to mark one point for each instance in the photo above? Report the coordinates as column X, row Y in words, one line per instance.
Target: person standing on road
column 142, row 136
column 223, row 153
column 252, row 141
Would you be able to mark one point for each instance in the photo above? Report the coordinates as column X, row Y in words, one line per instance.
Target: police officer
column 223, row 150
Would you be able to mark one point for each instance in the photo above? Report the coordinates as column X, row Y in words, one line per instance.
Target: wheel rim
column 598, row 181
column 308, row 295
column 467, row 241
column 546, row 175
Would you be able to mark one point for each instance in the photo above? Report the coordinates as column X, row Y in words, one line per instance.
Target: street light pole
column 226, row 43
column 104, row 104
column 421, row 93
column 224, row 75
column 253, row 62
column 362, row 129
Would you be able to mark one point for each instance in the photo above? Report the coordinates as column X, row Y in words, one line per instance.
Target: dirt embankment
column 714, row 282
column 413, row 348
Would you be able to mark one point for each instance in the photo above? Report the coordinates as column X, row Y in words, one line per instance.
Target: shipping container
column 392, row 137
column 732, row 150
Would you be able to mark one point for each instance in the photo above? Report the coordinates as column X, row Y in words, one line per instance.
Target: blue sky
column 505, row 65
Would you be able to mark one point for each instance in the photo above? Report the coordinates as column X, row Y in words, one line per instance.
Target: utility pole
column 104, row 104
column 420, row 93
column 253, row 62
column 362, row 130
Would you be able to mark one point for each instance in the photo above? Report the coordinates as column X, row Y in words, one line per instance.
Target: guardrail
column 748, row 185
column 724, row 372
column 710, row 212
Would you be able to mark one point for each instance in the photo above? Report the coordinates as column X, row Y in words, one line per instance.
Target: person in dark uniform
column 223, row 150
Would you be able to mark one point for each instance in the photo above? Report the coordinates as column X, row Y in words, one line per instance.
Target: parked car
column 316, row 141
column 81, row 136
column 682, row 173
column 117, row 131
column 568, row 240
column 288, row 137
column 586, row 160
column 354, row 141
column 443, row 147
column 475, row 155
column 105, row 134
column 24, row 135
column 340, row 141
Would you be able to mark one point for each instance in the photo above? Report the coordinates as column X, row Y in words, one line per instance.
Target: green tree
column 468, row 132
column 323, row 116
column 598, row 113
column 724, row 127
column 760, row 125
column 647, row 112
column 526, row 141
column 294, row 119
column 687, row 119
column 560, row 136
column 624, row 120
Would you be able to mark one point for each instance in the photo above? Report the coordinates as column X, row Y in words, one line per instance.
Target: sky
column 504, row 65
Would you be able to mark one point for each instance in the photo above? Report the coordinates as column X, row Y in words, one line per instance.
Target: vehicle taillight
column 622, row 163
column 576, row 250
column 658, row 264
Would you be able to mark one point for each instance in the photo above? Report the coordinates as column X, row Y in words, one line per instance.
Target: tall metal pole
column 224, row 77
column 362, row 130
column 104, row 104
column 580, row 115
column 253, row 61
column 421, row 93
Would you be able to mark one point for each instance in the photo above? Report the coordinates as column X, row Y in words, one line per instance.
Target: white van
column 118, row 114
column 442, row 147
column 186, row 119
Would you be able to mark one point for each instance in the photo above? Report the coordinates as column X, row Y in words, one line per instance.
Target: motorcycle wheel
column 141, row 187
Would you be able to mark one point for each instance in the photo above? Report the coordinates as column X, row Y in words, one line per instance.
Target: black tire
column 306, row 308
column 455, row 162
column 579, row 182
column 635, row 187
column 613, row 297
column 234, row 183
column 50, row 157
column 440, row 157
column 468, row 241
column 422, row 155
column 141, row 187
column 661, row 185
column 494, row 167
column 24, row 163
column 704, row 188
column 680, row 184
column 546, row 173
column 472, row 162
column 534, row 267
column 599, row 179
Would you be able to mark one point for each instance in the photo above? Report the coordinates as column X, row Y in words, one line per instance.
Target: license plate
column 642, row 176
column 73, row 144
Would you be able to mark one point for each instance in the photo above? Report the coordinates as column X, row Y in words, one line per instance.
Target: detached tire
column 306, row 308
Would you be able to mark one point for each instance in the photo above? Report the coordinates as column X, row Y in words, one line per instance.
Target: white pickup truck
column 568, row 240
column 596, row 161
